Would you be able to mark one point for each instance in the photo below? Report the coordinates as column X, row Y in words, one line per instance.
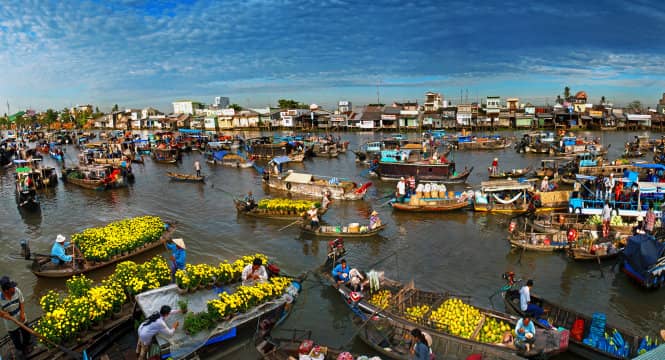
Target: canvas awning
column 299, row 178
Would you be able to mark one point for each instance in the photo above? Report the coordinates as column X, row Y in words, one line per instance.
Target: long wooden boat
column 106, row 161
column 94, row 342
column 270, row 214
column 42, row 265
column 510, row 196
column 584, row 254
column 271, row 313
column 431, row 204
column 644, row 261
column 514, row 173
column 548, row 342
column 330, row 231
column 481, row 143
column 98, row 177
column 185, row 177
column 554, row 222
column 560, row 316
column 165, row 156
column 532, row 241
column 422, row 170
column 285, row 348
column 308, row 184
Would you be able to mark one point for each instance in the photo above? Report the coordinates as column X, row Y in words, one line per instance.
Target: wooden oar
column 291, row 224
column 72, row 354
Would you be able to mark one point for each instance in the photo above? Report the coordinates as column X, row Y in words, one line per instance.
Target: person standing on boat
column 401, row 190
column 495, row 166
column 178, row 254
column 12, row 305
column 545, row 185
column 254, row 272
column 606, row 215
column 650, row 220
column 58, row 254
column 525, row 301
column 525, row 331
column 153, row 325
column 313, row 214
column 250, row 203
column 325, row 202
column 197, row 167
column 412, row 185
column 374, row 220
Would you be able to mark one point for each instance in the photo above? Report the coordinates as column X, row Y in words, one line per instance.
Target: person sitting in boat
column 313, row 214
column 374, row 220
column 525, row 333
column 435, row 155
column 341, row 272
column 525, row 301
column 178, row 254
column 421, row 345
column 254, row 272
column 356, row 280
column 443, row 159
column 153, row 325
column 250, row 203
column 58, row 252
column 638, row 229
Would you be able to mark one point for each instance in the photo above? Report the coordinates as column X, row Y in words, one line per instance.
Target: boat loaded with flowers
column 86, row 316
column 103, row 246
column 279, row 208
column 219, row 307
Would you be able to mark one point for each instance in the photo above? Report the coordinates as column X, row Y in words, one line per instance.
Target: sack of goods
column 354, row 227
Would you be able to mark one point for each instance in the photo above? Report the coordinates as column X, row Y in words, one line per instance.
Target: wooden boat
column 285, row 348
column 268, row 214
column 94, row 342
column 395, row 164
column 108, row 161
column 99, row 177
column 165, row 156
column 226, row 158
column 344, row 232
column 536, row 142
column 514, row 173
column 433, row 204
column 26, row 196
column 510, row 196
column 43, row 267
column 553, row 222
column 584, row 254
column 42, row 176
column 308, row 184
column 325, row 150
column 563, row 317
column 532, row 241
column 548, row 342
column 185, row 177
column 271, row 313
column 644, row 261
column 481, row 143
column 264, row 148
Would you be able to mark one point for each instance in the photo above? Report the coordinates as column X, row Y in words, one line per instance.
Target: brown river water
column 459, row 252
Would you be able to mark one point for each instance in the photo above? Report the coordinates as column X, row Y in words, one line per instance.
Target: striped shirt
column 13, row 307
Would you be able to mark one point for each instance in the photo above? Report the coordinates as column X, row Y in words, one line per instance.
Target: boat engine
column 336, row 248
column 25, row 249
column 509, row 276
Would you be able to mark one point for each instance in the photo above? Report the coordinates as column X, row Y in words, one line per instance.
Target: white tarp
column 299, row 178
column 182, row 344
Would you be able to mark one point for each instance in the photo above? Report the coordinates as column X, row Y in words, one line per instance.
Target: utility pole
column 378, row 93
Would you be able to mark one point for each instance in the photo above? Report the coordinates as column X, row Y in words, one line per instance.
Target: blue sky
column 148, row 53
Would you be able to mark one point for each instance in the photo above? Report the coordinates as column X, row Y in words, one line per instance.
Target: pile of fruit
column 456, row 318
column 381, row 299
column 616, row 220
column 492, row 330
column 417, row 313
column 288, row 205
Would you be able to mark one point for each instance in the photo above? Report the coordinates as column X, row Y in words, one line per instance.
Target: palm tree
column 602, row 100
column 566, row 93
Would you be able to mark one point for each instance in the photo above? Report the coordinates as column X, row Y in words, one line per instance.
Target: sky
column 134, row 53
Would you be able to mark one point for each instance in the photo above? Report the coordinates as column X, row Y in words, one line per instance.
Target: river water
column 460, row 252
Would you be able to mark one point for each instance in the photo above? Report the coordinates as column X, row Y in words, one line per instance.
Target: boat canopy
column 190, row 131
column 642, row 251
column 280, row 160
column 650, row 166
column 299, row 178
column 219, row 155
column 503, row 185
column 651, row 187
column 393, row 155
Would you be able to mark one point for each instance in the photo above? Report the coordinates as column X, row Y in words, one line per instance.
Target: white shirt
column 401, row 187
column 197, row 166
column 313, row 214
column 607, row 213
column 147, row 332
column 261, row 272
column 525, row 297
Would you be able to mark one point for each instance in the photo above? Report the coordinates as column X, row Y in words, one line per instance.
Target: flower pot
column 181, row 290
column 201, row 286
column 191, row 289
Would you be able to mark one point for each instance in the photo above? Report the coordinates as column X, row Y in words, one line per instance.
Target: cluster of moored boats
column 556, row 208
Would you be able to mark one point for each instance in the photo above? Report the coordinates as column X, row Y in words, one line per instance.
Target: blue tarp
column 219, row 155
column 650, row 166
column 281, row 160
column 190, row 131
column 643, row 251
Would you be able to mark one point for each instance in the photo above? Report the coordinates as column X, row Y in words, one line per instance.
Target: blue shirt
column 179, row 255
column 421, row 351
column 338, row 269
column 527, row 329
column 58, row 255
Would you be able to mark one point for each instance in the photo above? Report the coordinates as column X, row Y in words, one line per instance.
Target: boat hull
column 448, row 205
column 315, row 189
column 305, row 229
column 444, row 173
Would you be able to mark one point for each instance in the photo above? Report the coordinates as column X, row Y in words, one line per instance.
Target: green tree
column 96, row 109
column 635, row 105
column 602, row 100
column 115, row 107
column 50, row 117
column 235, row 107
column 566, row 93
column 291, row 104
